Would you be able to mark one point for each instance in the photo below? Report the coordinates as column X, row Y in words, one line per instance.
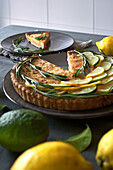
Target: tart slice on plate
column 39, row 40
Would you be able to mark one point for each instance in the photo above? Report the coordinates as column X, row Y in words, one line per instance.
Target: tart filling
column 42, row 83
column 39, row 40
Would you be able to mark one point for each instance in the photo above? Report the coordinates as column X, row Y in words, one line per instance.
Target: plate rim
column 58, row 113
column 20, row 53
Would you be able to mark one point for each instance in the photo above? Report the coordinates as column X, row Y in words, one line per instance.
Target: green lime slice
column 106, row 65
column 106, row 87
column 100, row 77
column 107, row 80
column 100, row 57
column 109, row 59
column 85, row 90
column 93, row 59
column 110, row 71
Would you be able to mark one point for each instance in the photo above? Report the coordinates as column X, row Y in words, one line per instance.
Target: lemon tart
column 44, row 84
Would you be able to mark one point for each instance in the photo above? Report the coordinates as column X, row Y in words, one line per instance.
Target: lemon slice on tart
column 74, row 88
column 60, row 85
column 77, row 81
column 38, row 87
column 28, row 84
column 90, row 84
column 96, row 72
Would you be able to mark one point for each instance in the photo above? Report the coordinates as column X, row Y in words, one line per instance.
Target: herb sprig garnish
column 45, row 74
column 18, row 48
column 41, row 37
column 21, row 64
column 83, row 67
column 35, row 83
column 51, row 91
column 94, row 52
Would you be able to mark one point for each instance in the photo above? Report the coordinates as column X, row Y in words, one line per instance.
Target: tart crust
column 57, row 104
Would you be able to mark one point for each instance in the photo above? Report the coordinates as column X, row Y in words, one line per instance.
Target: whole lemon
column 104, row 155
column 106, row 45
column 51, row 156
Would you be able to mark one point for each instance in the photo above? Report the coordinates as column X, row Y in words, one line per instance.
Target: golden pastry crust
column 57, row 104
column 42, row 43
column 75, row 62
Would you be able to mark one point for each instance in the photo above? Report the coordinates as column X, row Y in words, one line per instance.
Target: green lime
column 22, row 129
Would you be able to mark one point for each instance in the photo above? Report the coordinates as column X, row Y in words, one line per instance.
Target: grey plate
column 58, row 42
column 59, row 60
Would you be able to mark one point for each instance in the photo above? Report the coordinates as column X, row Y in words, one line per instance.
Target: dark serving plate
column 14, row 97
column 60, row 60
column 58, row 42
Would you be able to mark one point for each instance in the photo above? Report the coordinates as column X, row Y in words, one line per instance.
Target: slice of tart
column 79, row 64
column 39, row 40
column 75, row 62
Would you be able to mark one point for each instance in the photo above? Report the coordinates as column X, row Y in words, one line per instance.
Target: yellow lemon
column 51, row 156
column 106, row 45
column 104, row 156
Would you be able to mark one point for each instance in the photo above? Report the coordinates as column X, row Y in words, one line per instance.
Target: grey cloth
column 81, row 44
column 12, row 56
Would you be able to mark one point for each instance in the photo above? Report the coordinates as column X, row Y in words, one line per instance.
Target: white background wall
column 88, row 16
